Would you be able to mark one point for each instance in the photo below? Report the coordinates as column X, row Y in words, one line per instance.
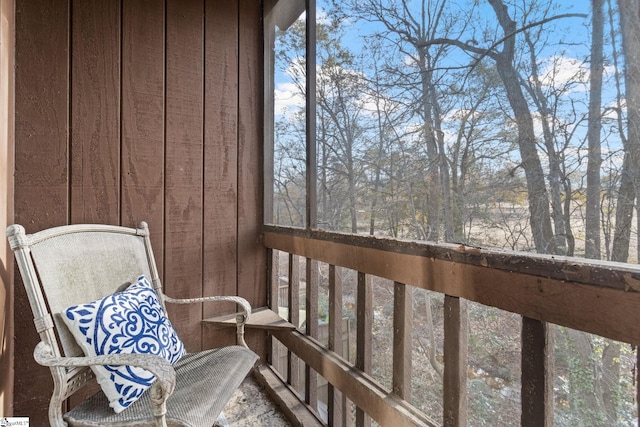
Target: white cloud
column 287, row 98
column 611, row 110
column 567, row 74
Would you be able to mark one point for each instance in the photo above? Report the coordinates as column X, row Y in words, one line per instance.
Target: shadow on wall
column 5, row 340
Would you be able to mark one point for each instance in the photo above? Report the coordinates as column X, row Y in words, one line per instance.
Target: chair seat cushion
column 205, row 381
column 130, row 321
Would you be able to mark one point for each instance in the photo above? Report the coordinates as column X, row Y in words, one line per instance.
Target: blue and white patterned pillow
column 131, row 321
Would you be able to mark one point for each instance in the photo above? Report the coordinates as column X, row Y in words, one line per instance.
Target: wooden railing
column 595, row 297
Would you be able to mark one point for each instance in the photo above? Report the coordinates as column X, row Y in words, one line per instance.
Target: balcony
column 127, row 111
column 594, row 297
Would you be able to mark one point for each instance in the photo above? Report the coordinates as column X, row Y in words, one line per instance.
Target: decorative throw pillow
column 131, row 321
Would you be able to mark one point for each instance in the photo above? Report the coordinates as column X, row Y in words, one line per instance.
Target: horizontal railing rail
column 598, row 297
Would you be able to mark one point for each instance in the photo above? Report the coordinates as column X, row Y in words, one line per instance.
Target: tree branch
column 490, row 50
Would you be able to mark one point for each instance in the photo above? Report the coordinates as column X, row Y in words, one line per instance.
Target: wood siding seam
column 203, row 168
column 120, row 138
column 164, row 142
column 70, row 110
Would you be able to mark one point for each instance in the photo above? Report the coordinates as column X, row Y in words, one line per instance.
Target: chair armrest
column 157, row 365
column 241, row 318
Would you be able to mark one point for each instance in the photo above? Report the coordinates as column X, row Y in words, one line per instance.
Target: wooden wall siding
column 221, row 159
column 95, row 112
column 41, row 167
column 130, row 110
column 184, row 160
column 142, row 118
column 251, row 259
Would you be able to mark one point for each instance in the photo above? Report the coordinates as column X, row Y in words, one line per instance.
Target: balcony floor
column 250, row 406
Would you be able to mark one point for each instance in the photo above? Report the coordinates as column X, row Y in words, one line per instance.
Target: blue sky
column 561, row 61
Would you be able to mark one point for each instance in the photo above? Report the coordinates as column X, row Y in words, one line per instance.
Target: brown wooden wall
column 6, row 205
column 130, row 110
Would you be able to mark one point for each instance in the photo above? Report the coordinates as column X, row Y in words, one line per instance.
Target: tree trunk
column 352, row 202
column 582, row 373
column 630, row 24
column 381, row 125
column 569, row 238
column 560, row 221
column 592, row 207
column 433, row 176
column 444, row 170
column 432, row 349
column 540, row 218
column 609, row 380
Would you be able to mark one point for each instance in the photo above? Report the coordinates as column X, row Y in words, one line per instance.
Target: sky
column 564, row 60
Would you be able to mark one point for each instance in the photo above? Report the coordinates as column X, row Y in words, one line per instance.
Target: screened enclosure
column 505, row 125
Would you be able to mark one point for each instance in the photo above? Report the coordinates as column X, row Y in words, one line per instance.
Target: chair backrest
column 75, row 264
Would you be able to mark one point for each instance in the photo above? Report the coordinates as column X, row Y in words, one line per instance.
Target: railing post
column 455, row 362
column 402, row 329
column 293, row 373
column 311, row 305
column 364, row 313
column 273, row 277
column 537, row 374
column 568, row 292
column 336, row 412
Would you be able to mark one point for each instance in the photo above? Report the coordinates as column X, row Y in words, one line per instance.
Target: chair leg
column 159, row 404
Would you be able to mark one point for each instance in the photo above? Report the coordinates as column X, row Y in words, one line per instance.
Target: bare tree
column 537, row 192
column 607, row 382
column 592, row 224
column 630, row 179
column 418, row 80
column 385, row 113
column 540, row 218
column 547, row 105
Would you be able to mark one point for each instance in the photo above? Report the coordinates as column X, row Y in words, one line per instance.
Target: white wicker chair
column 76, row 264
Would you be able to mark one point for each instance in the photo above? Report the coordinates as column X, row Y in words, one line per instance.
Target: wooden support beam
column 347, row 250
column 402, row 331
column 287, row 399
column 364, row 316
column 537, row 374
column 268, row 112
column 273, row 276
column 293, row 369
column 336, row 413
column 384, row 407
column 455, row 362
column 601, row 299
column 311, row 305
